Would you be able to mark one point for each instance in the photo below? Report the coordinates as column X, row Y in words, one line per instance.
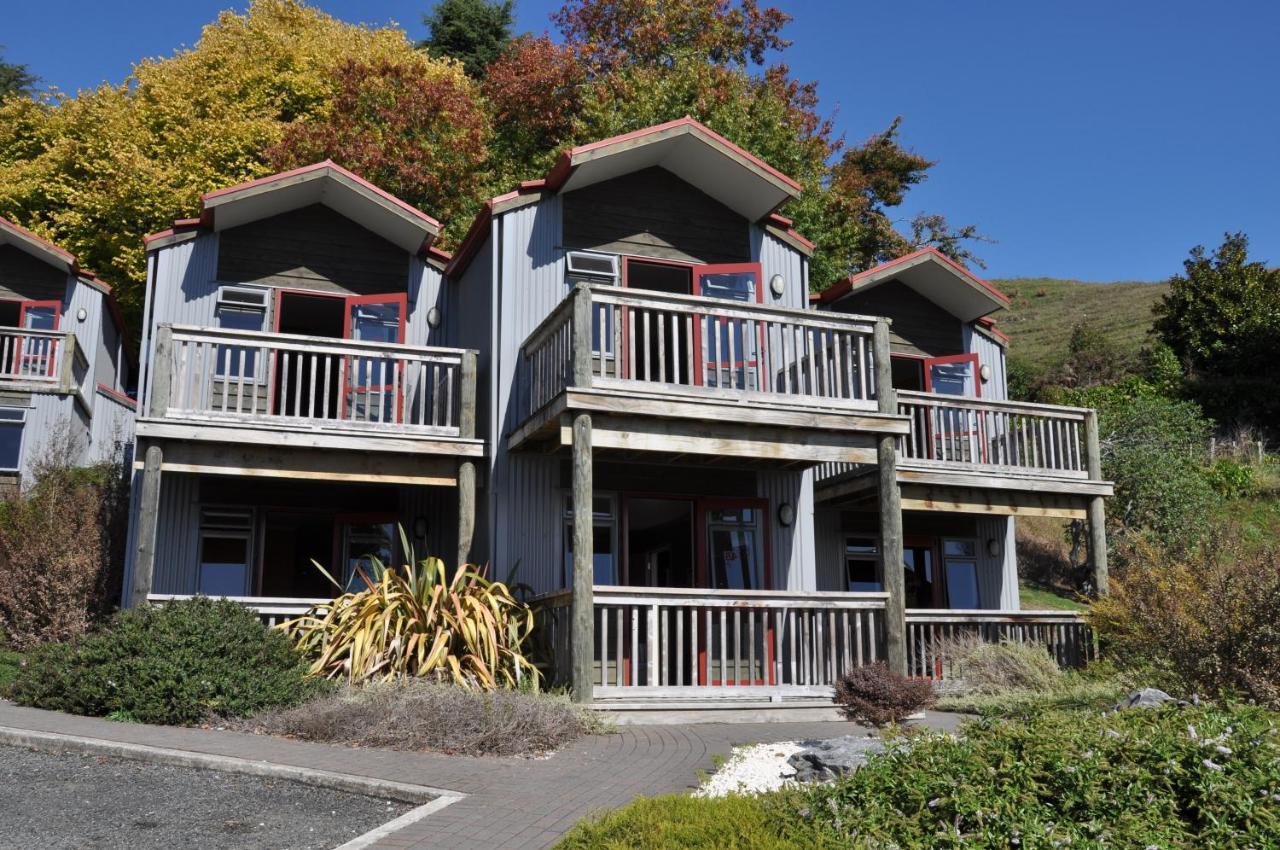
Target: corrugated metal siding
column 426, row 290
column 439, row 505
column 49, row 418
column 177, row 534
column 112, row 430
column 829, row 548
column 990, row 353
column 470, row 324
column 524, row 489
column 793, row 548
column 998, row 576
column 776, row 257
column 185, row 291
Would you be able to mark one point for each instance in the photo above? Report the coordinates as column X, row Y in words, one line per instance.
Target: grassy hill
column 1044, row 310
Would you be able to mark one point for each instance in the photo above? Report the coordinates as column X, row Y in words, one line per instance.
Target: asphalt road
column 70, row 801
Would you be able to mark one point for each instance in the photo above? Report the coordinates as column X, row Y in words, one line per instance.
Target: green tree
column 1092, row 359
column 1221, row 318
column 475, row 32
column 15, row 79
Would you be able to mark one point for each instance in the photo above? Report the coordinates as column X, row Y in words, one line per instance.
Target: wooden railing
column 35, row 357
column 310, row 382
column 639, row 341
column 931, row 634
column 954, row 431
column 271, row 610
column 670, row 641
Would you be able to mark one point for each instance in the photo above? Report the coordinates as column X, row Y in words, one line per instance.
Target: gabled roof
column 688, row 149
column 42, row 249
column 932, row 274
column 61, row 259
column 324, row 183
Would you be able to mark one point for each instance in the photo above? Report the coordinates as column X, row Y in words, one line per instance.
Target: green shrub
column 1232, row 479
column 1095, row 688
column 1171, row 778
column 174, row 664
column 425, row 715
column 877, row 695
column 1205, row 619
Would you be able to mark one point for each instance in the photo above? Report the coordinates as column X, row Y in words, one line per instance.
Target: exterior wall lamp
column 786, row 514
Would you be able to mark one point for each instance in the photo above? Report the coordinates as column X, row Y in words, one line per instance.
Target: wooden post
column 144, row 559
column 583, row 570
column 1097, row 510
column 582, row 335
column 467, row 468
column 161, row 373
column 67, row 363
column 891, row 559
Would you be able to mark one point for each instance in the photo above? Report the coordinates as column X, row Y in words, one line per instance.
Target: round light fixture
column 777, row 285
column 433, row 317
column 82, row 314
column 420, row 527
column 993, row 547
column 786, row 514
column 984, row 372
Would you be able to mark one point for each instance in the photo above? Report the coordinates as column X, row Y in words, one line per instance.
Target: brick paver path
column 510, row 802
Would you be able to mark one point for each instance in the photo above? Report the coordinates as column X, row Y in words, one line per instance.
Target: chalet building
column 618, row 389
column 64, row 366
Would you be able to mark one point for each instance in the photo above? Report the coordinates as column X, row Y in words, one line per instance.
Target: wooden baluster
column 680, row 615
column 634, row 614
column 604, row 644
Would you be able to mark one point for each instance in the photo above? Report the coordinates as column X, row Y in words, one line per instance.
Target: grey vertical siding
column 439, row 505
column 990, row 353
column 111, row 435
column 776, row 257
column 829, row 549
column 426, row 290
column 185, row 291
column 470, row 322
column 524, row 489
column 793, row 548
column 177, row 534
column 998, row 576
column 51, row 420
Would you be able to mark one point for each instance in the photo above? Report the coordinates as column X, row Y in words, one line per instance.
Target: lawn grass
column 1036, row 598
column 1044, row 311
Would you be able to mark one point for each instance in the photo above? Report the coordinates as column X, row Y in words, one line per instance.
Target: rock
column 832, row 758
column 1146, row 698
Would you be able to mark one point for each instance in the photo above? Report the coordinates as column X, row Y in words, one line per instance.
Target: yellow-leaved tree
column 97, row 171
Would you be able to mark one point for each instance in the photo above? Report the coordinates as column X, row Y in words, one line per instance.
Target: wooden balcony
column 700, row 647
column 350, row 403
column 968, row 443
column 679, row 374
column 43, row 361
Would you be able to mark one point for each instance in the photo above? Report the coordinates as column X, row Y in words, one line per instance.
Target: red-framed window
column 956, row 374
column 375, row 392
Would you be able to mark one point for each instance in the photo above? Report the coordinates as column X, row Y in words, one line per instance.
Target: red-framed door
column 728, row 282
column 277, row 312
column 38, row 352
column 956, row 374
column 375, row 318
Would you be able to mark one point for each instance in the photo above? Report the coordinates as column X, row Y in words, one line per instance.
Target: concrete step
column 677, row 711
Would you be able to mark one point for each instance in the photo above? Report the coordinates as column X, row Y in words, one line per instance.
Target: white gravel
column 750, row 770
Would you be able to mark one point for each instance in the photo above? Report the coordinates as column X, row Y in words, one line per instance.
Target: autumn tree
column 475, row 32
column 412, row 127
column 97, row 171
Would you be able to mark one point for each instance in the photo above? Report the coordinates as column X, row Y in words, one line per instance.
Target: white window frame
column 591, row 275
column 976, row 558
column 228, row 530
column 222, row 300
column 19, row 420
column 873, row 557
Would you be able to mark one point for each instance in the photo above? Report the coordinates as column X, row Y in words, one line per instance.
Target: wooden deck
column 696, row 647
column 290, row 392
column 682, row 375
column 44, row 361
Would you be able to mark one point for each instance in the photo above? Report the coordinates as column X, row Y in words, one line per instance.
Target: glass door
column 38, row 352
column 361, row 540
column 739, row 645
column 373, row 389
column 960, row 559
column 956, row 432
column 730, row 347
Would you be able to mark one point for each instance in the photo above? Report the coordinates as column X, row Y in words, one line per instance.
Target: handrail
column 324, row 344
column 987, row 615
column 738, row 309
column 1035, row 408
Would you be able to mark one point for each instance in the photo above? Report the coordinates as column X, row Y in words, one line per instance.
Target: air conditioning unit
column 592, row 267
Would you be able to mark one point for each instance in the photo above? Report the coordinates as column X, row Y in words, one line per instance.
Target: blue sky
column 1093, row 140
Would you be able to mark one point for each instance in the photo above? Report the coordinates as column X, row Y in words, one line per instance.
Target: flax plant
column 419, row 621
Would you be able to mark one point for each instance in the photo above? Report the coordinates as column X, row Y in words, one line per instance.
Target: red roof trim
column 319, row 166
column 475, row 237
column 180, row 225
column 989, row 324
column 22, row 231
column 117, row 395
column 781, row 220
column 686, row 121
column 843, row 287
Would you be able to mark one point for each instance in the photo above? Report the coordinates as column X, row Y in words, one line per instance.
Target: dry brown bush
column 417, row 714
column 993, row 668
column 58, row 558
column 1206, row 618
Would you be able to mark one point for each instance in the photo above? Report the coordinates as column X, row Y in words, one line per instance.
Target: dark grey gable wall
column 312, row 248
column 23, row 276
column 919, row 325
column 653, row 213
